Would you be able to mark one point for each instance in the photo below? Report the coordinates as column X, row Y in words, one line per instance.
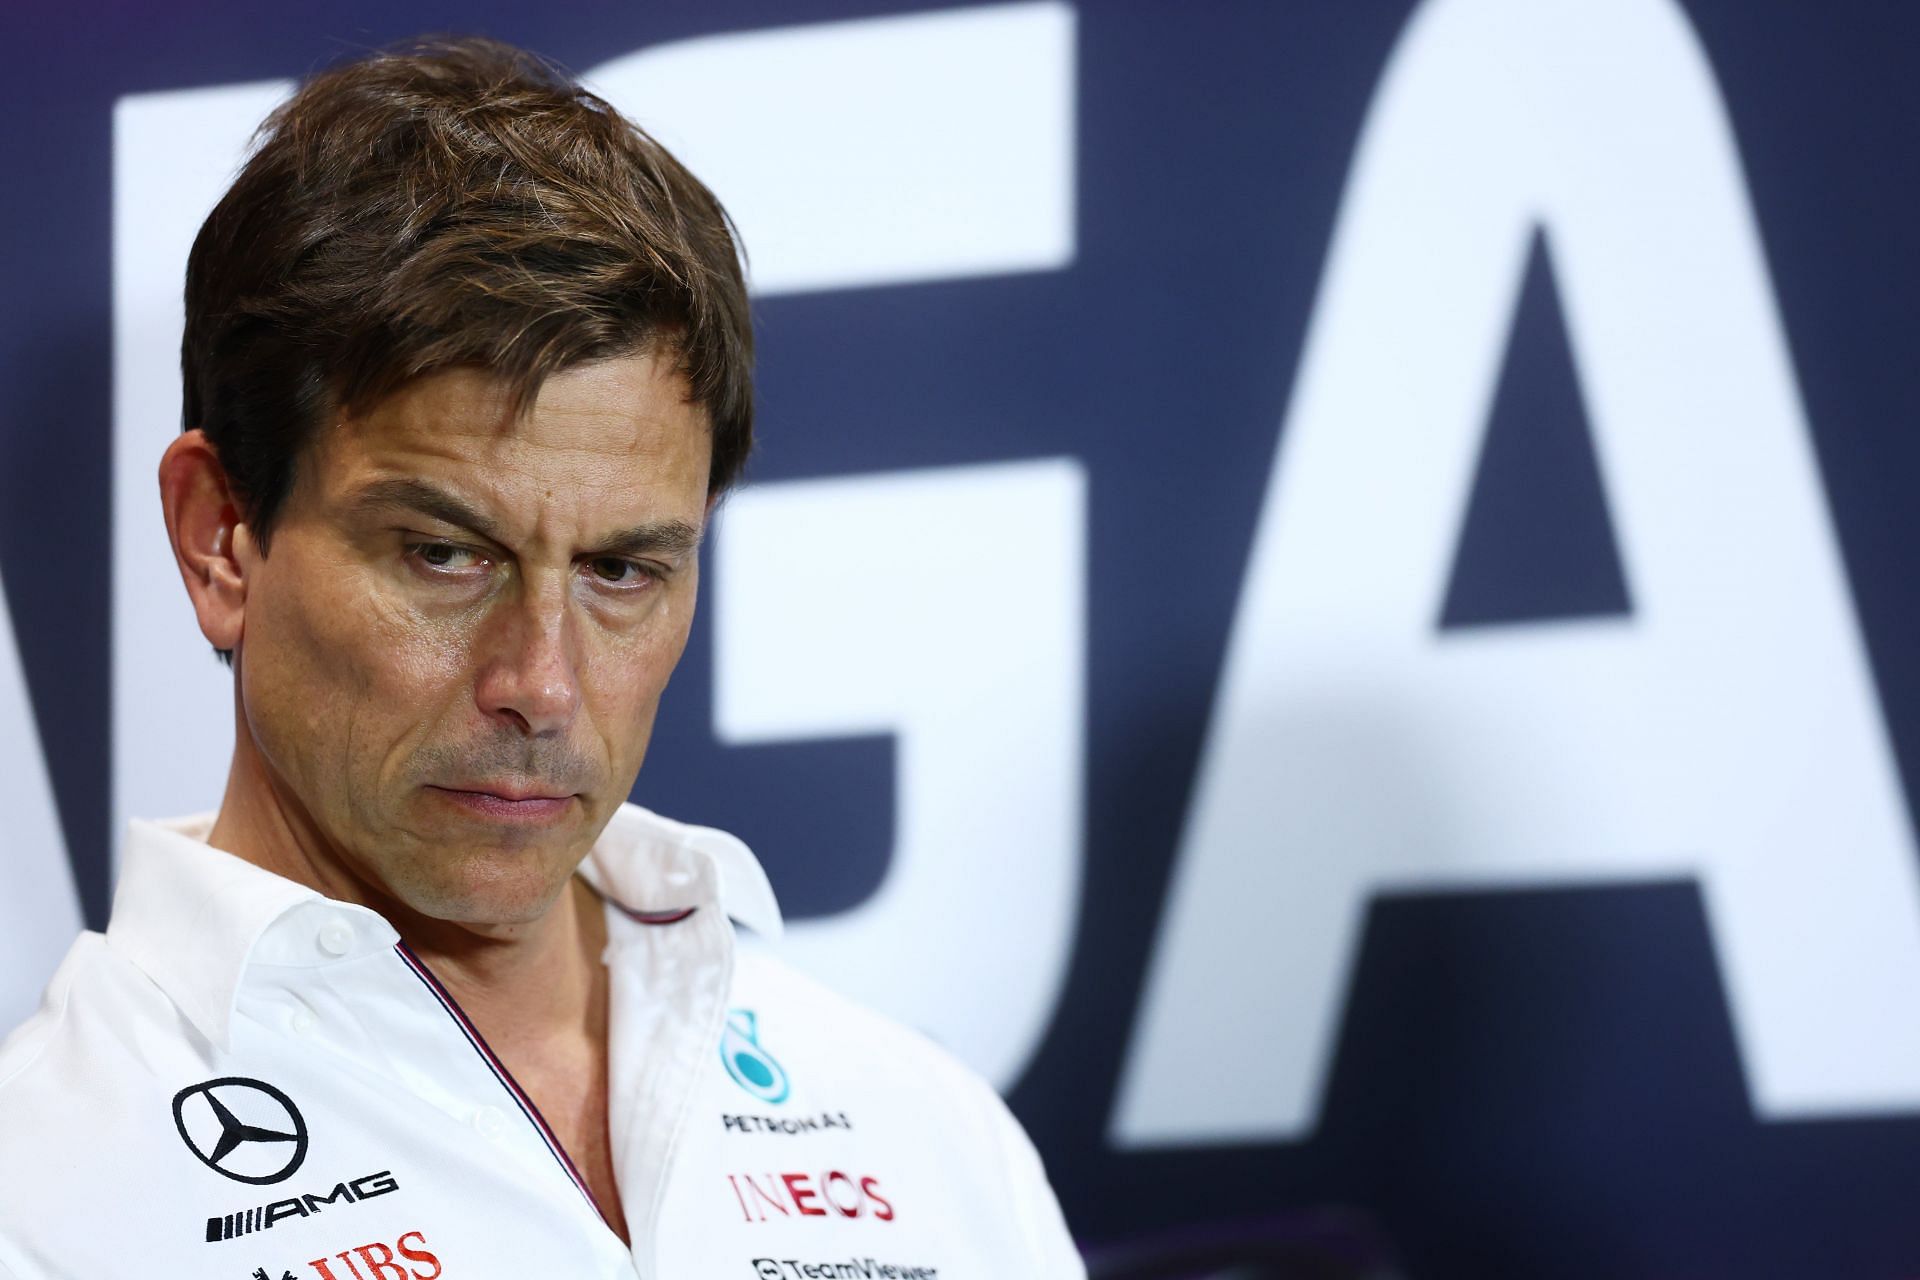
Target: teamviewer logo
column 243, row 1129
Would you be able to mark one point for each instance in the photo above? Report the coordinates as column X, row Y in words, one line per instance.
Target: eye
column 613, row 571
column 444, row 558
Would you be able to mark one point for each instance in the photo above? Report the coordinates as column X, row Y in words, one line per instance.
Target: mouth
column 505, row 803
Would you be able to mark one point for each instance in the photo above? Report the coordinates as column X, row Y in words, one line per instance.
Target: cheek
column 627, row 674
column 336, row 676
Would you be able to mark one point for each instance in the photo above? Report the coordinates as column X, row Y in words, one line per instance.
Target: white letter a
column 1727, row 732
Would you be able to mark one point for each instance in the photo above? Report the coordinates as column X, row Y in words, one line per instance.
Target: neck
column 523, row 982
column 544, row 984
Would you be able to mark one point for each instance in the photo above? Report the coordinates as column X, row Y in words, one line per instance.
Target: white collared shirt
column 243, row 1078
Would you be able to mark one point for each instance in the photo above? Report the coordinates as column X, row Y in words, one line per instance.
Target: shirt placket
column 389, row 1015
column 669, row 990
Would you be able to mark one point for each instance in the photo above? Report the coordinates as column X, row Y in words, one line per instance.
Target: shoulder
column 37, row 1094
column 815, row 1019
column 97, row 1002
column 91, row 1066
column 26, row 1045
column 102, row 1028
column 846, row 1057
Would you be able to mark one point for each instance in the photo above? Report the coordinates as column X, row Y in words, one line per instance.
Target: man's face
column 452, row 657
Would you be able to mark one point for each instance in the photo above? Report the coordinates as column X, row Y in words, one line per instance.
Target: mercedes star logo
column 245, row 1129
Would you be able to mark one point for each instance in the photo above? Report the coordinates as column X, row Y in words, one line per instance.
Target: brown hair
column 452, row 202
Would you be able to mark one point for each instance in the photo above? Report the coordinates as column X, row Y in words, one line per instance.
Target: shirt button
column 302, row 1022
column 491, row 1122
column 336, row 937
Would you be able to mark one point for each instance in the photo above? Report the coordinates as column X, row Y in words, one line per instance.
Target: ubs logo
column 243, row 1129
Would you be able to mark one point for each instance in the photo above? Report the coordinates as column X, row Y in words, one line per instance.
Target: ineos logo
column 244, row 1129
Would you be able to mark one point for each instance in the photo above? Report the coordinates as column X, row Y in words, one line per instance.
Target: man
column 466, row 370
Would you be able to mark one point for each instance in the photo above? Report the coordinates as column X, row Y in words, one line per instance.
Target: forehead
column 620, row 432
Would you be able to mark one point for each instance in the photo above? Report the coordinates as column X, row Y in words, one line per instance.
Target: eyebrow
column 673, row 538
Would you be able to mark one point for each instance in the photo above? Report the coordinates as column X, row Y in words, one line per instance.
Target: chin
column 485, row 889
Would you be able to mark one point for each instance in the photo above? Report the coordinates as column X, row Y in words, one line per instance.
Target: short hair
column 452, row 202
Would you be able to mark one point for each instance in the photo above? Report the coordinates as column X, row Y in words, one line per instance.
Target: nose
column 528, row 679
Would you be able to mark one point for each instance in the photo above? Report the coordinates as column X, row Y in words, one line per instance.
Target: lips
column 506, row 791
column 506, row 803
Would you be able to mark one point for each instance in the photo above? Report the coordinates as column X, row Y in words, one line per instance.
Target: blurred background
column 1327, row 596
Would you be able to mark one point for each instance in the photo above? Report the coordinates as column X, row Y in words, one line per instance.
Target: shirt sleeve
column 1036, row 1209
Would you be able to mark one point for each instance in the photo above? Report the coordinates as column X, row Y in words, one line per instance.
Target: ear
column 212, row 547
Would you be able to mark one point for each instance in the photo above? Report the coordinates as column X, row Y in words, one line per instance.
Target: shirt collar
column 193, row 917
column 649, row 866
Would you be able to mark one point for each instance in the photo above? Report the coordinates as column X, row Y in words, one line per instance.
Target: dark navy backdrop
column 1530, row 1083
